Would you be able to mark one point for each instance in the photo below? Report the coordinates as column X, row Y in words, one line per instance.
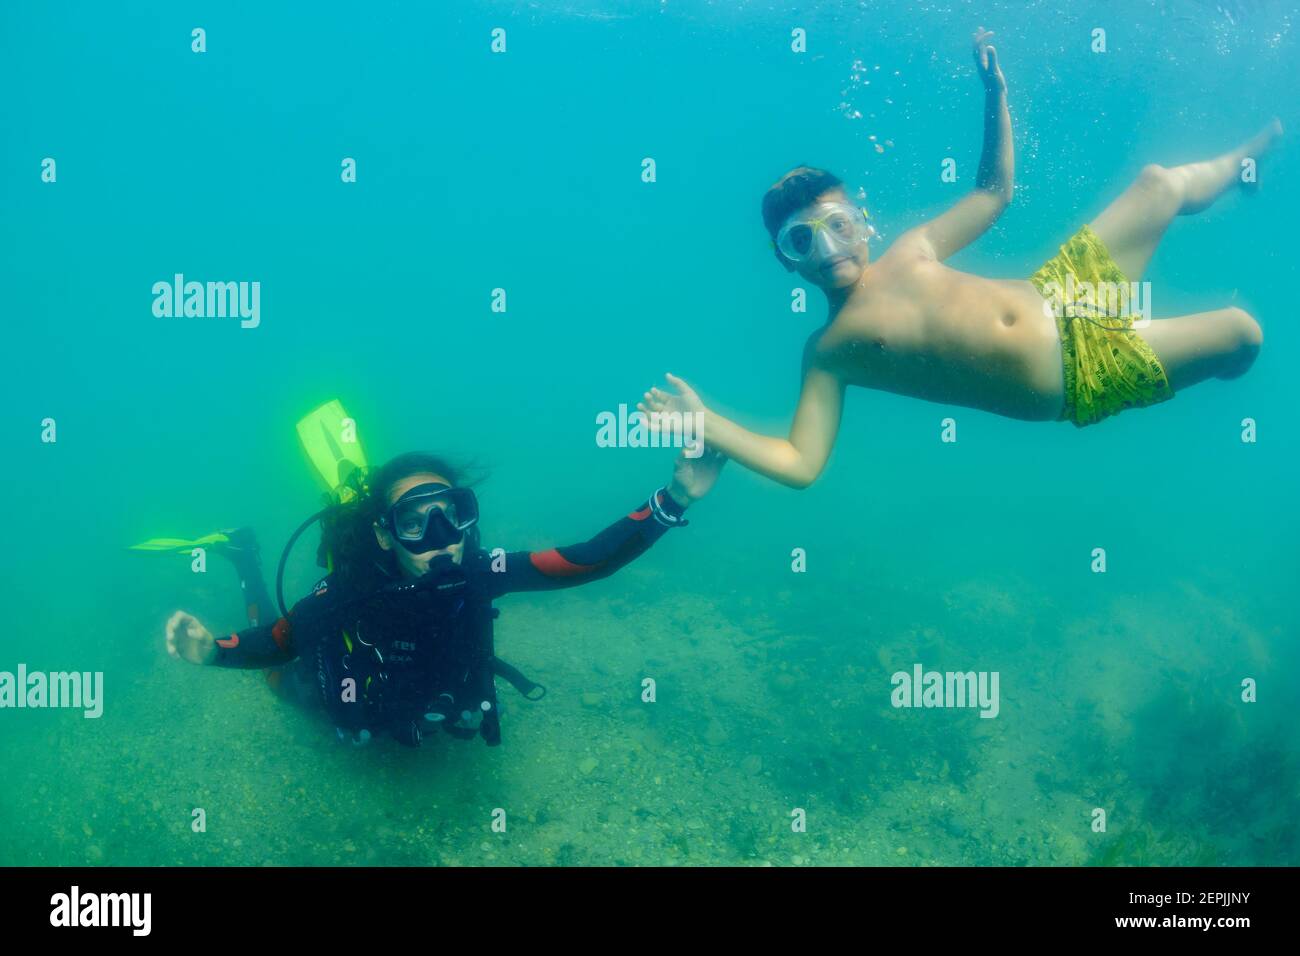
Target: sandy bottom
column 760, row 713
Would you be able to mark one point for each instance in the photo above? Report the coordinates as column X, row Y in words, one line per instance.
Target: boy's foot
column 1257, row 146
column 1263, row 140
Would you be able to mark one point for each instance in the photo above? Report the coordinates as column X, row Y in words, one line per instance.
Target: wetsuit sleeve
column 574, row 564
column 269, row 645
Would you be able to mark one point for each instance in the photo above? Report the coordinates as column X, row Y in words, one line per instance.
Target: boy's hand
column 986, row 62
column 657, row 400
column 694, row 477
column 189, row 640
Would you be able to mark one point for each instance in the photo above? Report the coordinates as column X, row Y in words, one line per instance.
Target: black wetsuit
column 426, row 650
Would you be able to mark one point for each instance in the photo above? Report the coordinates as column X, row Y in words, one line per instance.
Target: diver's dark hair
column 347, row 534
column 383, row 478
column 798, row 188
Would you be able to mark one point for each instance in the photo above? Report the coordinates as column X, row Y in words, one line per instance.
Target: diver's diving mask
column 431, row 517
column 832, row 228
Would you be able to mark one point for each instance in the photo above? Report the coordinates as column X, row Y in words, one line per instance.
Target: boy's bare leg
column 1132, row 226
column 1192, row 348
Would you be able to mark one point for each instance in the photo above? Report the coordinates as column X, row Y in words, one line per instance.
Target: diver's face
column 415, row 565
column 831, row 265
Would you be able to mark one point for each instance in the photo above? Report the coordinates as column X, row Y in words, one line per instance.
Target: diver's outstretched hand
column 188, row 640
column 694, row 477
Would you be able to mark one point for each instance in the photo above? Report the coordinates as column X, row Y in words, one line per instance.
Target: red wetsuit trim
column 640, row 515
column 555, row 565
column 280, row 631
column 231, row 641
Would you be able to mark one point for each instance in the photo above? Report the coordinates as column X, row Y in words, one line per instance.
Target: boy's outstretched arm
column 795, row 461
column 967, row 221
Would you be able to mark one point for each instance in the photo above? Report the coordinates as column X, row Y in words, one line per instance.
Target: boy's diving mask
column 828, row 229
column 431, row 517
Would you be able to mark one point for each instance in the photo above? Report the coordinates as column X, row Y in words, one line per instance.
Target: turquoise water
column 522, row 171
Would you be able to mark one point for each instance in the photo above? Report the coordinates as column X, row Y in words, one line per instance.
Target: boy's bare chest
column 947, row 337
column 932, row 313
column 876, row 330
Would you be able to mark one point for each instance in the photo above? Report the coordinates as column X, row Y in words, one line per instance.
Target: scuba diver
column 398, row 636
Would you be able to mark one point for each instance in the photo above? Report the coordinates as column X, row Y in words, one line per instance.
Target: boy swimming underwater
column 907, row 323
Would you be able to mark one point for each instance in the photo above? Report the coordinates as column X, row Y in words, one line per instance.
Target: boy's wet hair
column 798, row 188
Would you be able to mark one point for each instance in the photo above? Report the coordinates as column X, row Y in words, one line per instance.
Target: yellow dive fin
column 329, row 437
column 180, row 544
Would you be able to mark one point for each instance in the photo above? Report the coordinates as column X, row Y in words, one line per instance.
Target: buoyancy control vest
column 416, row 656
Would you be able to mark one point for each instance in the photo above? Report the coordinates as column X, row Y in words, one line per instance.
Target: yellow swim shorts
column 1108, row 366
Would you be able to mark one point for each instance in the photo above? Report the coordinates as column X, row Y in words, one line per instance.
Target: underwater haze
column 1161, row 692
